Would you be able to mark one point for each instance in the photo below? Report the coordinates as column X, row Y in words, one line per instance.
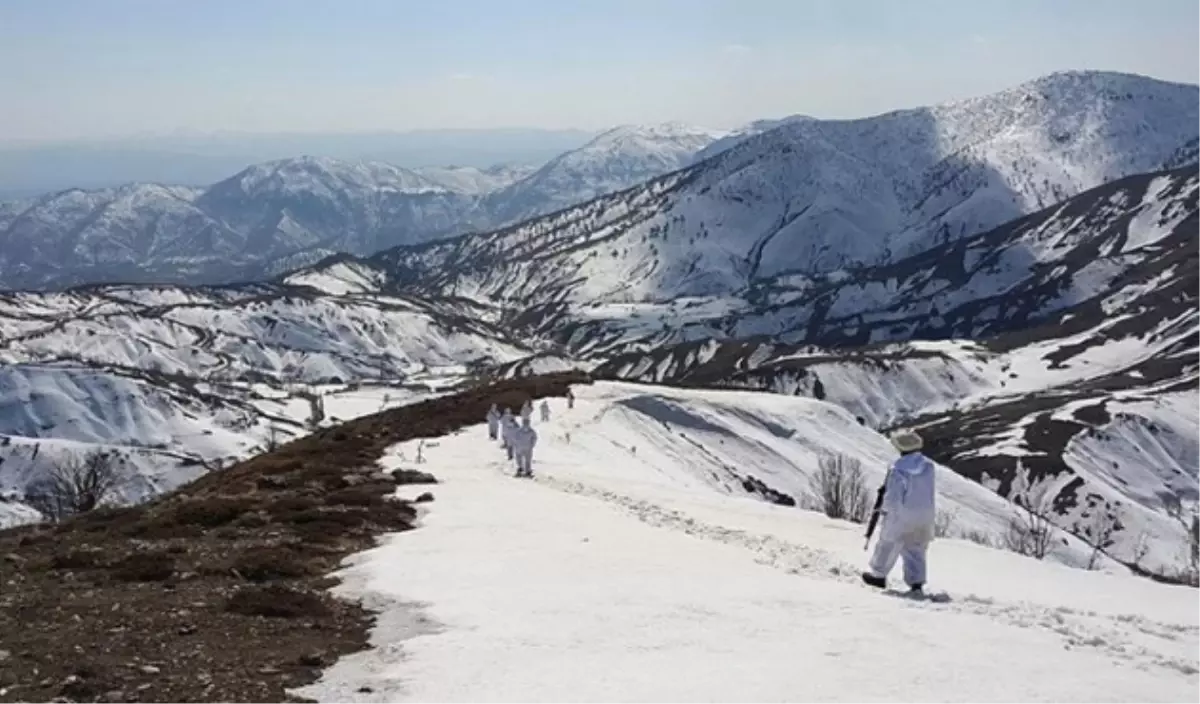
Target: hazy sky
column 92, row 68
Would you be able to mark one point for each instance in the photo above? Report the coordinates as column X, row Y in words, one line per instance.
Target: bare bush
column 1099, row 531
column 1030, row 531
column 1191, row 523
column 1174, row 506
column 75, row 485
column 841, row 488
column 979, row 537
column 316, row 415
column 943, row 523
column 274, row 438
column 1141, row 547
column 1194, row 549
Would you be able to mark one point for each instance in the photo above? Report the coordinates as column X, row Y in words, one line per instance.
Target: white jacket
column 909, row 495
column 524, row 438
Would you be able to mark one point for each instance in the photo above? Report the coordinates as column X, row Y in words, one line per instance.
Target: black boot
column 916, row 589
column 877, row 582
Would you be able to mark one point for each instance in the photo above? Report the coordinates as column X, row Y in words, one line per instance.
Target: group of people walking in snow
column 905, row 504
column 519, row 439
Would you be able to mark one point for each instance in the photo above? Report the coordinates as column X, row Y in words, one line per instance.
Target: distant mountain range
column 284, row 214
column 200, row 158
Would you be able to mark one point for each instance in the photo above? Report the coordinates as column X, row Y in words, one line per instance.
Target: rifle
column 875, row 513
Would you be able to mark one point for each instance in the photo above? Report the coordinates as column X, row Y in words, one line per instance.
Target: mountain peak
column 652, row 137
column 308, row 173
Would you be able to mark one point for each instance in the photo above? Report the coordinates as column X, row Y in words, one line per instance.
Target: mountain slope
column 665, row 586
column 1085, row 371
column 814, row 197
column 172, row 380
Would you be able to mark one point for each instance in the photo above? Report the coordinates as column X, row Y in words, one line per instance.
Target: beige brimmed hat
column 907, row 440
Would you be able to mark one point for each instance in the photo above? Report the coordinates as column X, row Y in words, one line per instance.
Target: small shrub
column 413, row 476
column 145, row 567
column 979, row 537
column 265, row 564
column 269, row 483
column 162, row 528
column 211, row 512
column 394, row 515
column 1100, row 530
column 943, row 524
column 356, row 496
column 841, row 488
column 109, row 518
column 276, row 601
column 268, row 467
column 308, row 515
column 292, row 504
column 1193, row 553
column 319, row 532
column 84, row 558
column 250, row 520
column 229, row 532
column 1030, row 531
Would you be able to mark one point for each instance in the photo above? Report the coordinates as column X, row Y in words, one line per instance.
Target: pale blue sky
column 90, row 68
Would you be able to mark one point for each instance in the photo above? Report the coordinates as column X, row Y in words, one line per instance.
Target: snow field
column 627, row 576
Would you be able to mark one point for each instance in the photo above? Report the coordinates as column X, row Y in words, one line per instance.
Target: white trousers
column 908, row 544
column 524, row 461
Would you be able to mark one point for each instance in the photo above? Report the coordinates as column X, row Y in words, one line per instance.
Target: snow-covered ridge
column 815, row 198
column 1123, row 238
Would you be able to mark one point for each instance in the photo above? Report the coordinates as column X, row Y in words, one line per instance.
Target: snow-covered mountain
column 174, row 379
column 615, row 160
column 813, row 198
column 286, row 214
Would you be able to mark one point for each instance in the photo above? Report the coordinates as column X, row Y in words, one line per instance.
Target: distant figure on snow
column 545, row 409
column 493, row 422
column 525, row 438
column 511, row 429
column 506, row 423
column 526, row 410
column 570, row 399
column 907, row 514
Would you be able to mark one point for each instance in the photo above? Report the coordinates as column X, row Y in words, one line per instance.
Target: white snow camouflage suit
column 907, row 518
column 511, row 430
column 493, row 422
column 524, row 438
column 507, row 423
